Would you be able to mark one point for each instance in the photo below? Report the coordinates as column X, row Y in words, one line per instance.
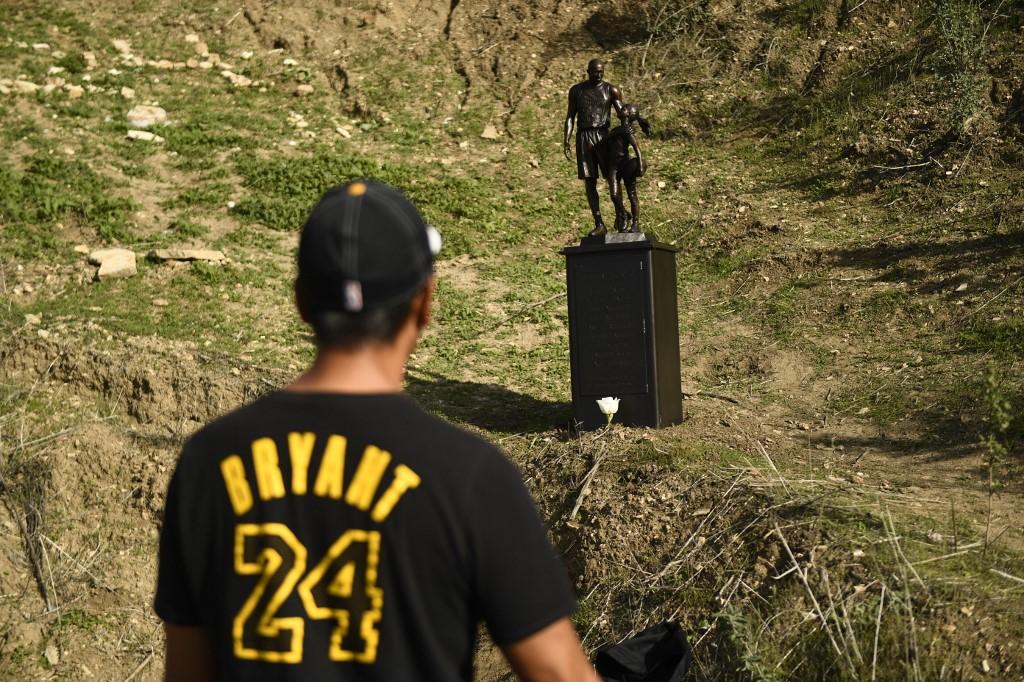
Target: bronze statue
column 621, row 168
column 590, row 105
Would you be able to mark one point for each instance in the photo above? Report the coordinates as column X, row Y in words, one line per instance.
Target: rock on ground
column 145, row 116
column 144, row 136
column 114, row 263
column 188, row 254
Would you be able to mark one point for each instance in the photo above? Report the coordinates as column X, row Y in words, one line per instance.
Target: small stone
column 81, row 248
column 236, row 79
column 24, row 87
column 187, row 255
column 201, row 49
column 75, row 91
column 33, row 319
column 144, row 136
column 55, row 70
column 161, row 302
column 464, row 144
column 90, row 59
column 127, row 93
column 206, row 66
column 122, row 46
column 245, row 54
column 191, row 38
column 962, row 287
column 192, row 63
column 116, row 264
column 41, row 47
column 164, row 64
column 344, row 132
column 661, row 184
column 490, row 133
column 534, row 163
column 214, row 57
column 44, row 334
column 290, row 62
column 303, row 90
column 145, row 116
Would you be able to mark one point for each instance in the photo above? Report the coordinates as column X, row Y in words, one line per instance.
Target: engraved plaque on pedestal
column 623, row 330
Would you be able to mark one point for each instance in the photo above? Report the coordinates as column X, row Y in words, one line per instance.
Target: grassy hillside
column 842, row 179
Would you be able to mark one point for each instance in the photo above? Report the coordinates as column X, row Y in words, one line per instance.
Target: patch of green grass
column 1003, row 338
column 126, row 306
column 52, row 189
column 80, row 619
column 782, row 309
column 281, row 190
column 685, row 454
column 250, row 236
column 884, row 305
column 184, row 227
column 29, row 21
column 72, row 62
column 205, row 194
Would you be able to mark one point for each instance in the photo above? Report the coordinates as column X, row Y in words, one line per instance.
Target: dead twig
column 878, row 627
column 1007, row 576
column 810, row 593
column 140, row 667
column 585, row 489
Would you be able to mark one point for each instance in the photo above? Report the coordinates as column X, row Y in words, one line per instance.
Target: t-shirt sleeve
column 520, row 584
column 175, row 601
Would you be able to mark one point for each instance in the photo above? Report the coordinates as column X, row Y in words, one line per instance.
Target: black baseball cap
column 364, row 246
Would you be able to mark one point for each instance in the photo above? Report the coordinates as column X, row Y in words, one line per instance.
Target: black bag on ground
column 658, row 654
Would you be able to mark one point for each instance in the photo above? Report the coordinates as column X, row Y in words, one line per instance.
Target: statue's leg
column 595, row 207
column 634, row 204
column 616, row 192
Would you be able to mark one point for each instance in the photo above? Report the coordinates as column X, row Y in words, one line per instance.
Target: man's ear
column 300, row 304
column 426, row 303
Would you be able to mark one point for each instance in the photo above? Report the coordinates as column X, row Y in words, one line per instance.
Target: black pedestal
column 624, row 330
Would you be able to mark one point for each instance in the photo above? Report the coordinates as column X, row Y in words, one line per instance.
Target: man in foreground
column 336, row 531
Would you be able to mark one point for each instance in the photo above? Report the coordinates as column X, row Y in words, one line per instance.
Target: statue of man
column 590, row 105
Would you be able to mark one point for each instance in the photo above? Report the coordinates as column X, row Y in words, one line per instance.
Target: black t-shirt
column 351, row 537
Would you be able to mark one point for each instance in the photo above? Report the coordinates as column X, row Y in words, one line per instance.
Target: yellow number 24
column 342, row 586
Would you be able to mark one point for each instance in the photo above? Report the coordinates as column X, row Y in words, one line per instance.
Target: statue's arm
column 570, row 116
column 636, row 148
column 645, row 126
column 617, row 100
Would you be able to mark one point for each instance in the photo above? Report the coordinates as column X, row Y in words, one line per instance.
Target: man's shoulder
column 228, row 424
column 417, row 423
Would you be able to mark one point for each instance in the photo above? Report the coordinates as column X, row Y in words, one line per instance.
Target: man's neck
column 371, row 368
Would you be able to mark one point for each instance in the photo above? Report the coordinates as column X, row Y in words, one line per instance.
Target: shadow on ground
column 931, row 267
column 486, row 406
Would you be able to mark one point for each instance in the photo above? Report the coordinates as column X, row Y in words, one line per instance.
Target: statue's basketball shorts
column 590, row 152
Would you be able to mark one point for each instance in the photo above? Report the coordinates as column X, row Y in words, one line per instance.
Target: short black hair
column 344, row 330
